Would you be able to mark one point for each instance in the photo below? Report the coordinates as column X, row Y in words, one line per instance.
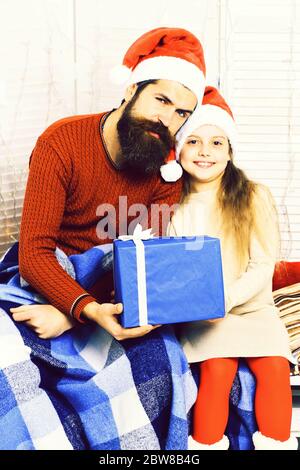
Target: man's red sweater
column 70, row 175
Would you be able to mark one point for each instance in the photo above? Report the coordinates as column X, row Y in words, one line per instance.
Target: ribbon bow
column 138, row 234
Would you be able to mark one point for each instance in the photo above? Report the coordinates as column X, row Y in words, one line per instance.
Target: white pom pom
column 120, row 74
column 171, row 171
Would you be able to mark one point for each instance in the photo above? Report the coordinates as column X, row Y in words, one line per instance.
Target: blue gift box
column 183, row 280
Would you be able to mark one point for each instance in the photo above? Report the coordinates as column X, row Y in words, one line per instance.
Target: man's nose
column 166, row 118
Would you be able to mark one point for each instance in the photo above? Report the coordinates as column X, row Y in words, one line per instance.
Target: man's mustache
column 156, row 127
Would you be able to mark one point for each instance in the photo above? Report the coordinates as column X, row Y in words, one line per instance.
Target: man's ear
column 130, row 92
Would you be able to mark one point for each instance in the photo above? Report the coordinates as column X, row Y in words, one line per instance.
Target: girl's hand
column 45, row 320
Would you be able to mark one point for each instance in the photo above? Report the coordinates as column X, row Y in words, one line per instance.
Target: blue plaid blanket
column 85, row 390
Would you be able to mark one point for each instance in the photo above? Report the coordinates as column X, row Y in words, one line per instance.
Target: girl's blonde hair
column 245, row 208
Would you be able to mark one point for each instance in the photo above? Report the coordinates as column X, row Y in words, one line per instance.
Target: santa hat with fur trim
column 164, row 54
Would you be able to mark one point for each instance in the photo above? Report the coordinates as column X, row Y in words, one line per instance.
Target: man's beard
column 142, row 152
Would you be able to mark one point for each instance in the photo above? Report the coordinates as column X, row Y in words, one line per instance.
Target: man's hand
column 45, row 320
column 106, row 316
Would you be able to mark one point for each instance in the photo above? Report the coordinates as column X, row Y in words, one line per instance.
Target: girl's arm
column 261, row 264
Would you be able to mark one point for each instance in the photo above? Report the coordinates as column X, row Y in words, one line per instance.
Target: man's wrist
column 80, row 304
column 90, row 310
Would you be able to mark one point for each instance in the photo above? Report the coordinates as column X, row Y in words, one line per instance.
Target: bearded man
column 81, row 163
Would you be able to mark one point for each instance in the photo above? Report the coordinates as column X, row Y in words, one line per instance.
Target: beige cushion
column 287, row 300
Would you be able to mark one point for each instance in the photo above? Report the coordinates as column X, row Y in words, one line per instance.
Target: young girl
column 220, row 201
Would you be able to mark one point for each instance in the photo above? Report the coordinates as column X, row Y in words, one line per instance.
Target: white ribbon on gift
column 138, row 235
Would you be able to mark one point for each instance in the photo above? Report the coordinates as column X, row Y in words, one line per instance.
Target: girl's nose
column 204, row 151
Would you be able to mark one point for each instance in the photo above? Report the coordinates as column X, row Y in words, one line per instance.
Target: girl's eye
column 192, row 141
column 218, row 142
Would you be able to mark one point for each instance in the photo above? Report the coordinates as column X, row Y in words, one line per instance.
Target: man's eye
column 182, row 114
column 162, row 100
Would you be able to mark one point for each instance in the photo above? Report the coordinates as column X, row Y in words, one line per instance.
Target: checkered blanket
column 85, row 390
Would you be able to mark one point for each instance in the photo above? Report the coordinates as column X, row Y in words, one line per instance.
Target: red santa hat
column 215, row 111
column 164, row 54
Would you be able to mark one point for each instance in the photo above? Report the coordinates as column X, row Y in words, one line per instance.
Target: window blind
column 36, row 88
column 260, row 77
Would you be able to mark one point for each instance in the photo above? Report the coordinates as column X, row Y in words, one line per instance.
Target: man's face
column 149, row 123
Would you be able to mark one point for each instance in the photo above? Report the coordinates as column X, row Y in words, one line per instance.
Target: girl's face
column 205, row 154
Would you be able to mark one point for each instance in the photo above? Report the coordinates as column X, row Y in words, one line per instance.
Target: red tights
column 273, row 399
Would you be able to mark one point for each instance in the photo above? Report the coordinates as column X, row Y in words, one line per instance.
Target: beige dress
column 251, row 326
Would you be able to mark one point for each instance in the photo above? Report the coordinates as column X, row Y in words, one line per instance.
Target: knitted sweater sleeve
column 44, row 205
